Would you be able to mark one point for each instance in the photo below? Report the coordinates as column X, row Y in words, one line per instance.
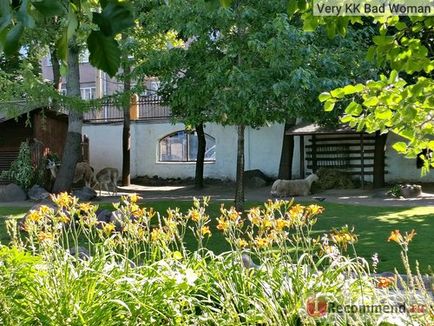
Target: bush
column 21, row 171
column 139, row 271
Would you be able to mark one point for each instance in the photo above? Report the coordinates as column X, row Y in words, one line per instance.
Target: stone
column 411, row 191
column 11, row 193
column 255, row 182
column 80, row 253
column 104, row 216
column 38, row 193
column 256, row 179
column 85, row 194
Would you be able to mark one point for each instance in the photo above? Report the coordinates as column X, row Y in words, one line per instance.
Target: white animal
column 83, row 171
column 105, row 177
column 298, row 187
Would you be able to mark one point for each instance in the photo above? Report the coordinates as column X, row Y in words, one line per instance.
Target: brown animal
column 105, row 177
column 83, row 171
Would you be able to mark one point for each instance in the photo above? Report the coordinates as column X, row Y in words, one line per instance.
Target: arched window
column 181, row 146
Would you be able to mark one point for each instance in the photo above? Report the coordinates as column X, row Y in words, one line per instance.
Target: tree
column 76, row 18
column 249, row 65
column 402, row 100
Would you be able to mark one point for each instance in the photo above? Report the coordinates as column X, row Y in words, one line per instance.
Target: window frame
column 185, row 150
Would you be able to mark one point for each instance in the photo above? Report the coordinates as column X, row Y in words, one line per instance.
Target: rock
column 85, row 194
column 12, row 192
column 80, row 253
column 104, row 216
column 255, row 179
column 38, row 193
column 255, row 182
column 411, row 191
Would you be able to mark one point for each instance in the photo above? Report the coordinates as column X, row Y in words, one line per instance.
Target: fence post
column 134, row 107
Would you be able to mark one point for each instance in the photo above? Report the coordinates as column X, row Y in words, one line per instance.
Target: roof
column 6, row 116
column 313, row 128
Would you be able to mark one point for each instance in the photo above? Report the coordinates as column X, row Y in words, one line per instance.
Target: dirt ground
column 225, row 192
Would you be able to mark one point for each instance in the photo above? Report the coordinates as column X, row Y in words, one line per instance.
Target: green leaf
column 359, row 88
column 23, row 15
column 62, row 46
column 350, row 89
column 393, row 76
column 12, row 40
column 50, row 8
column 331, row 29
column 329, row 105
column 310, row 23
column 383, row 114
column 354, row 109
column 370, row 102
column 114, row 18
column 347, row 119
column 324, row 96
column 226, row 3
column 301, row 4
column 72, row 23
column 338, row 93
column 400, row 147
column 104, row 52
column 292, row 7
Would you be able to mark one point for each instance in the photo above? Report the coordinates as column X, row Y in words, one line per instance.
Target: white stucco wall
column 262, row 151
column 262, row 148
column 402, row 169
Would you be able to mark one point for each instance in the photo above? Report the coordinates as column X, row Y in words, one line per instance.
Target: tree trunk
column 126, row 133
column 287, row 155
column 57, row 83
column 200, row 159
column 72, row 149
column 379, row 159
column 239, row 192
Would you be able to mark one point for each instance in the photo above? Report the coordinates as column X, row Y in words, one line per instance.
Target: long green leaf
column 104, row 52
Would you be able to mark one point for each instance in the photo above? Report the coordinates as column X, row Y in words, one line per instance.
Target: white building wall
column 262, row 151
column 402, row 169
column 105, row 146
column 262, row 146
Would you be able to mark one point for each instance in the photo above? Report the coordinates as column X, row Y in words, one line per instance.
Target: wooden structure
column 343, row 148
column 45, row 130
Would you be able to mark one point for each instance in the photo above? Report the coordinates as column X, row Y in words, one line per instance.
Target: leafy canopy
column 249, row 63
column 98, row 22
column 402, row 100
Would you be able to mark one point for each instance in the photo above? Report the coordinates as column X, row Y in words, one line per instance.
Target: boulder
column 256, row 179
column 104, row 215
column 411, row 191
column 85, row 194
column 12, row 192
column 38, row 193
column 255, row 182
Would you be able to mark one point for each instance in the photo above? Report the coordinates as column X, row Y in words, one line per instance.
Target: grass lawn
column 372, row 224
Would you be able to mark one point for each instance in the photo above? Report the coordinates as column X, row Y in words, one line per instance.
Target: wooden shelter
column 356, row 153
column 45, row 130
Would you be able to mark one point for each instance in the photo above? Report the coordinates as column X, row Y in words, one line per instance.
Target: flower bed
column 68, row 268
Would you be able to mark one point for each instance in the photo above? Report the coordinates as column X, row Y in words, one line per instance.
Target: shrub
column 139, row 271
column 21, row 171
